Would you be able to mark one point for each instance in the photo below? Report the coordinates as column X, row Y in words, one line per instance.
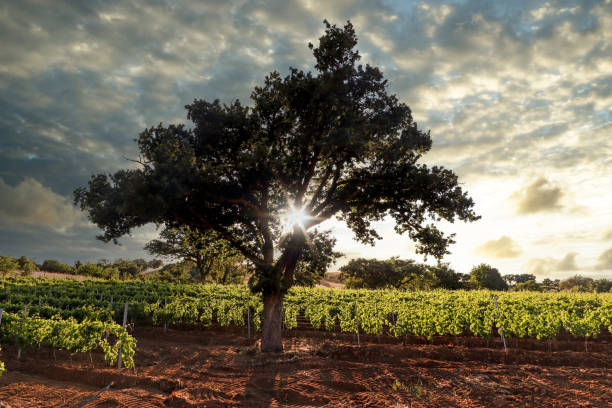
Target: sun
column 295, row 217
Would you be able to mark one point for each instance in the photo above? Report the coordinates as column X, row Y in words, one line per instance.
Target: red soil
column 54, row 275
column 331, row 281
column 221, row 368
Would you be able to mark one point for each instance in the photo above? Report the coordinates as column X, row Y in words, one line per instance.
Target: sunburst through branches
column 295, row 217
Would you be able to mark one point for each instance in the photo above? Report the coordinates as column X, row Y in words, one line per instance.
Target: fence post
column 110, row 309
column 501, row 326
column 125, row 310
column 248, row 319
column 165, row 321
column 376, row 314
column 25, row 312
column 357, row 319
column 1, row 312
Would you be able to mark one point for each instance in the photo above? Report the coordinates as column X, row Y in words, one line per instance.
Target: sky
column 517, row 96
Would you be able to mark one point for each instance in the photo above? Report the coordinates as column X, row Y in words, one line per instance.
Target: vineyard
column 184, row 330
column 37, row 311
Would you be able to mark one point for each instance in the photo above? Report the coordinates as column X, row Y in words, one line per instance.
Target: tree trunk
column 271, row 335
column 200, row 268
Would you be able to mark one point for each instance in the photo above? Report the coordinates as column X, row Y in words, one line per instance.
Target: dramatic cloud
column 568, row 263
column 78, row 242
column 504, row 247
column 544, row 267
column 511, row 91
column 605, row 260
column 539, row 196
column 30, row 202
column 540, row 267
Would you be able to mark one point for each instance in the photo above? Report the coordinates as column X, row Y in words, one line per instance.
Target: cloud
column 540, row 266
column 77, row 242
column 77, row 85
column 568, row 263
column 539, row 196
column 607, row 235
column 504, row 247
column 30, row 202
column 605, row 260
column 549, row 266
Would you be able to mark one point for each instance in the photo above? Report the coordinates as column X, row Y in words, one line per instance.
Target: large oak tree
column 323, row 144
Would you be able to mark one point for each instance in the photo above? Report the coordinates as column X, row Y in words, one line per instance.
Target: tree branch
column 225, row 234
column 330, row 211
column 139, row 161
column 309, row 173
column 330, row 192
column 322, row 183
column 268, row 241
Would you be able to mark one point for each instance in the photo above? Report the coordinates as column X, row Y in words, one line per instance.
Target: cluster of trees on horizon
column 360, row 273
column 103, row 268
column 410, row 275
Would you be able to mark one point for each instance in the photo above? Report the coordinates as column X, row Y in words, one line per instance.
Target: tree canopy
column 583, row 284
column 210, row 254
column 400, row 274
column 333, row 143
column 315, row 258
column 485, row 276
column 7, row 264
column 513, row 279
column 528, row 285
column 53, row 265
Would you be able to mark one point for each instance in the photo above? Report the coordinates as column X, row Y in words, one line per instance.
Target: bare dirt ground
column 221, row 368
column 43, row 274
column 331, row 281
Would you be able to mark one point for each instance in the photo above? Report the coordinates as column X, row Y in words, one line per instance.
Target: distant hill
column 331, row 281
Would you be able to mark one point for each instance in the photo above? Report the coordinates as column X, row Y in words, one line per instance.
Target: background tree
column 602, row 285
column 448, row 278
column 362, row 273
column 26, row 265
column 230, row 270
column 513, row 279
column 7, row 264
column 550, row 285
column 53, row 265
column 530, row 285
column 315, row 258
column 417, row 277
column 485, row 276
column 128, row 269
column 154, row 264
column 392, row 273
column 211, row 254
column 311, row 147
column 175, row 272
column 577, row 284
column 98, row 271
